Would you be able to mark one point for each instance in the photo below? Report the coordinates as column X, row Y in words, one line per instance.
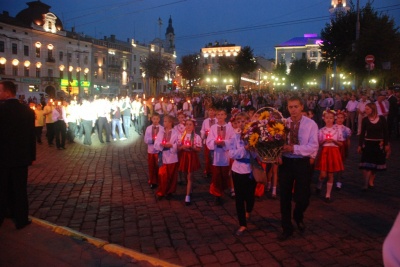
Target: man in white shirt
column 351, row 109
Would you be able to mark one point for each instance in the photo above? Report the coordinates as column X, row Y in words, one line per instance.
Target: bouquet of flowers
column 266, row 135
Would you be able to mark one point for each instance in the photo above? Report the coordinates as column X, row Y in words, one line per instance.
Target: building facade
column 39, row 55
column 306, row 47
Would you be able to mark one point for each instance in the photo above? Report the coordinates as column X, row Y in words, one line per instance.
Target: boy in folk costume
column 190, row 144
column 205, row 129
column 166, row 143
column 344, row 135
column 329, row 160
column 150, row 136
column 219, row 134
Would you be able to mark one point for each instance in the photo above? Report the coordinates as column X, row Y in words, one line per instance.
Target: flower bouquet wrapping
column 266, row 135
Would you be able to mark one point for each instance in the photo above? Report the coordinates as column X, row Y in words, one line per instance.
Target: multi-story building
column 306, row 47
column 209, row 57
column 39, row 55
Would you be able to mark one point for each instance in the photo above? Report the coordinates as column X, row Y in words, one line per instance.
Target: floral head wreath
column 179, row 112
column 341, row 112
column 234, row 112
column 329, row 111
column 190, row 118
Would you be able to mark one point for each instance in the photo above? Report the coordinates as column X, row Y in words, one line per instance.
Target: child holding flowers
column 329, row 159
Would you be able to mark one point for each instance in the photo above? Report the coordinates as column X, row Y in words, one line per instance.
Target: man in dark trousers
column 17, row 151
column 296, row 169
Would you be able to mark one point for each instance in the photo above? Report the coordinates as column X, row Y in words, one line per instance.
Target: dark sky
column 260, row 24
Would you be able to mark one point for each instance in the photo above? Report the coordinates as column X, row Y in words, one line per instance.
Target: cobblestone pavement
column 102, row 191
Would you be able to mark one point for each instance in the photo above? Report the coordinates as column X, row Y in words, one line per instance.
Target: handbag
column 258, row 172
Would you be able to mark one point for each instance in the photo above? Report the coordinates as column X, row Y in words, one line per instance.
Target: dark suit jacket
column 393, row 107
column 17, row 134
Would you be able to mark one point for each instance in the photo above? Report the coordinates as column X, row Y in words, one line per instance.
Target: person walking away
column 47, row 111
column 17, row 152
column 351, row 109
column 39, row 123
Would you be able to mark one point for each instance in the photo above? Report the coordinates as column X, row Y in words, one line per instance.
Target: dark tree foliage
column 189, row 69
column 155, row 66
column 244, row 63
column 302, row 70
column 379, row 36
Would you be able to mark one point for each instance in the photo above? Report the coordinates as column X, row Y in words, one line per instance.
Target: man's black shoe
column 22, row 225
column 284, row 236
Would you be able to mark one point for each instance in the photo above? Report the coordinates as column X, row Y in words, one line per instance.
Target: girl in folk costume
column 329, row 160
column 190, row 144
column 241, row 170
column 180, row 129
column 150, row 137
column 166, row 143
column 205, row 129
column 344, row 135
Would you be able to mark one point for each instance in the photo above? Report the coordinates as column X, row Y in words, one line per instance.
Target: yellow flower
column 246, row 127
column 279, row 128
column 253, row 139
column 264, row 116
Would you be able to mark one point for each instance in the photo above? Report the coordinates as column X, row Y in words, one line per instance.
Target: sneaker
column 123, row 138
column 114, row 139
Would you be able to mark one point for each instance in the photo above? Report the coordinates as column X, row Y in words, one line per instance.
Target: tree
column 379, row 36
column 244, row 63
column 280, row 69
column 302, row 70
column 189, row 69
column 155, row 66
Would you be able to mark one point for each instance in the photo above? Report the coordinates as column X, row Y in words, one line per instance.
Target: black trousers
column 294, row 173
column 38, row 134
column 50, row 133
column 102, row 123
column 244, row 190
column 60, row 131
column 13, row 194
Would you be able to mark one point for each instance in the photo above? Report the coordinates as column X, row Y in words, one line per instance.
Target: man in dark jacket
column 17, row 151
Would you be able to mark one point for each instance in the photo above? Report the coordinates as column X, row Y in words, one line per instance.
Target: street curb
column 102, row 244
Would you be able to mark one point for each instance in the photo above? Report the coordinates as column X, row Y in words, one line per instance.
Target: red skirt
column 344, row 149
column 189, row 162
column 329, row 159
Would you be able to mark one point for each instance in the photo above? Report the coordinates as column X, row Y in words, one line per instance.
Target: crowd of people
column 320, row 126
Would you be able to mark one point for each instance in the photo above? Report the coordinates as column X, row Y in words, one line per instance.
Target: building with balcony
column 39, row 55
column 306, row 47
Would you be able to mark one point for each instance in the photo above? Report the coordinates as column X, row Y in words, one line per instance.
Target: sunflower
column 279, row 128
column 264, row 116
column 253, row 139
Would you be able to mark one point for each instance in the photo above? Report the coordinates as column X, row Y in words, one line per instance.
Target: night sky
column 260, row 24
